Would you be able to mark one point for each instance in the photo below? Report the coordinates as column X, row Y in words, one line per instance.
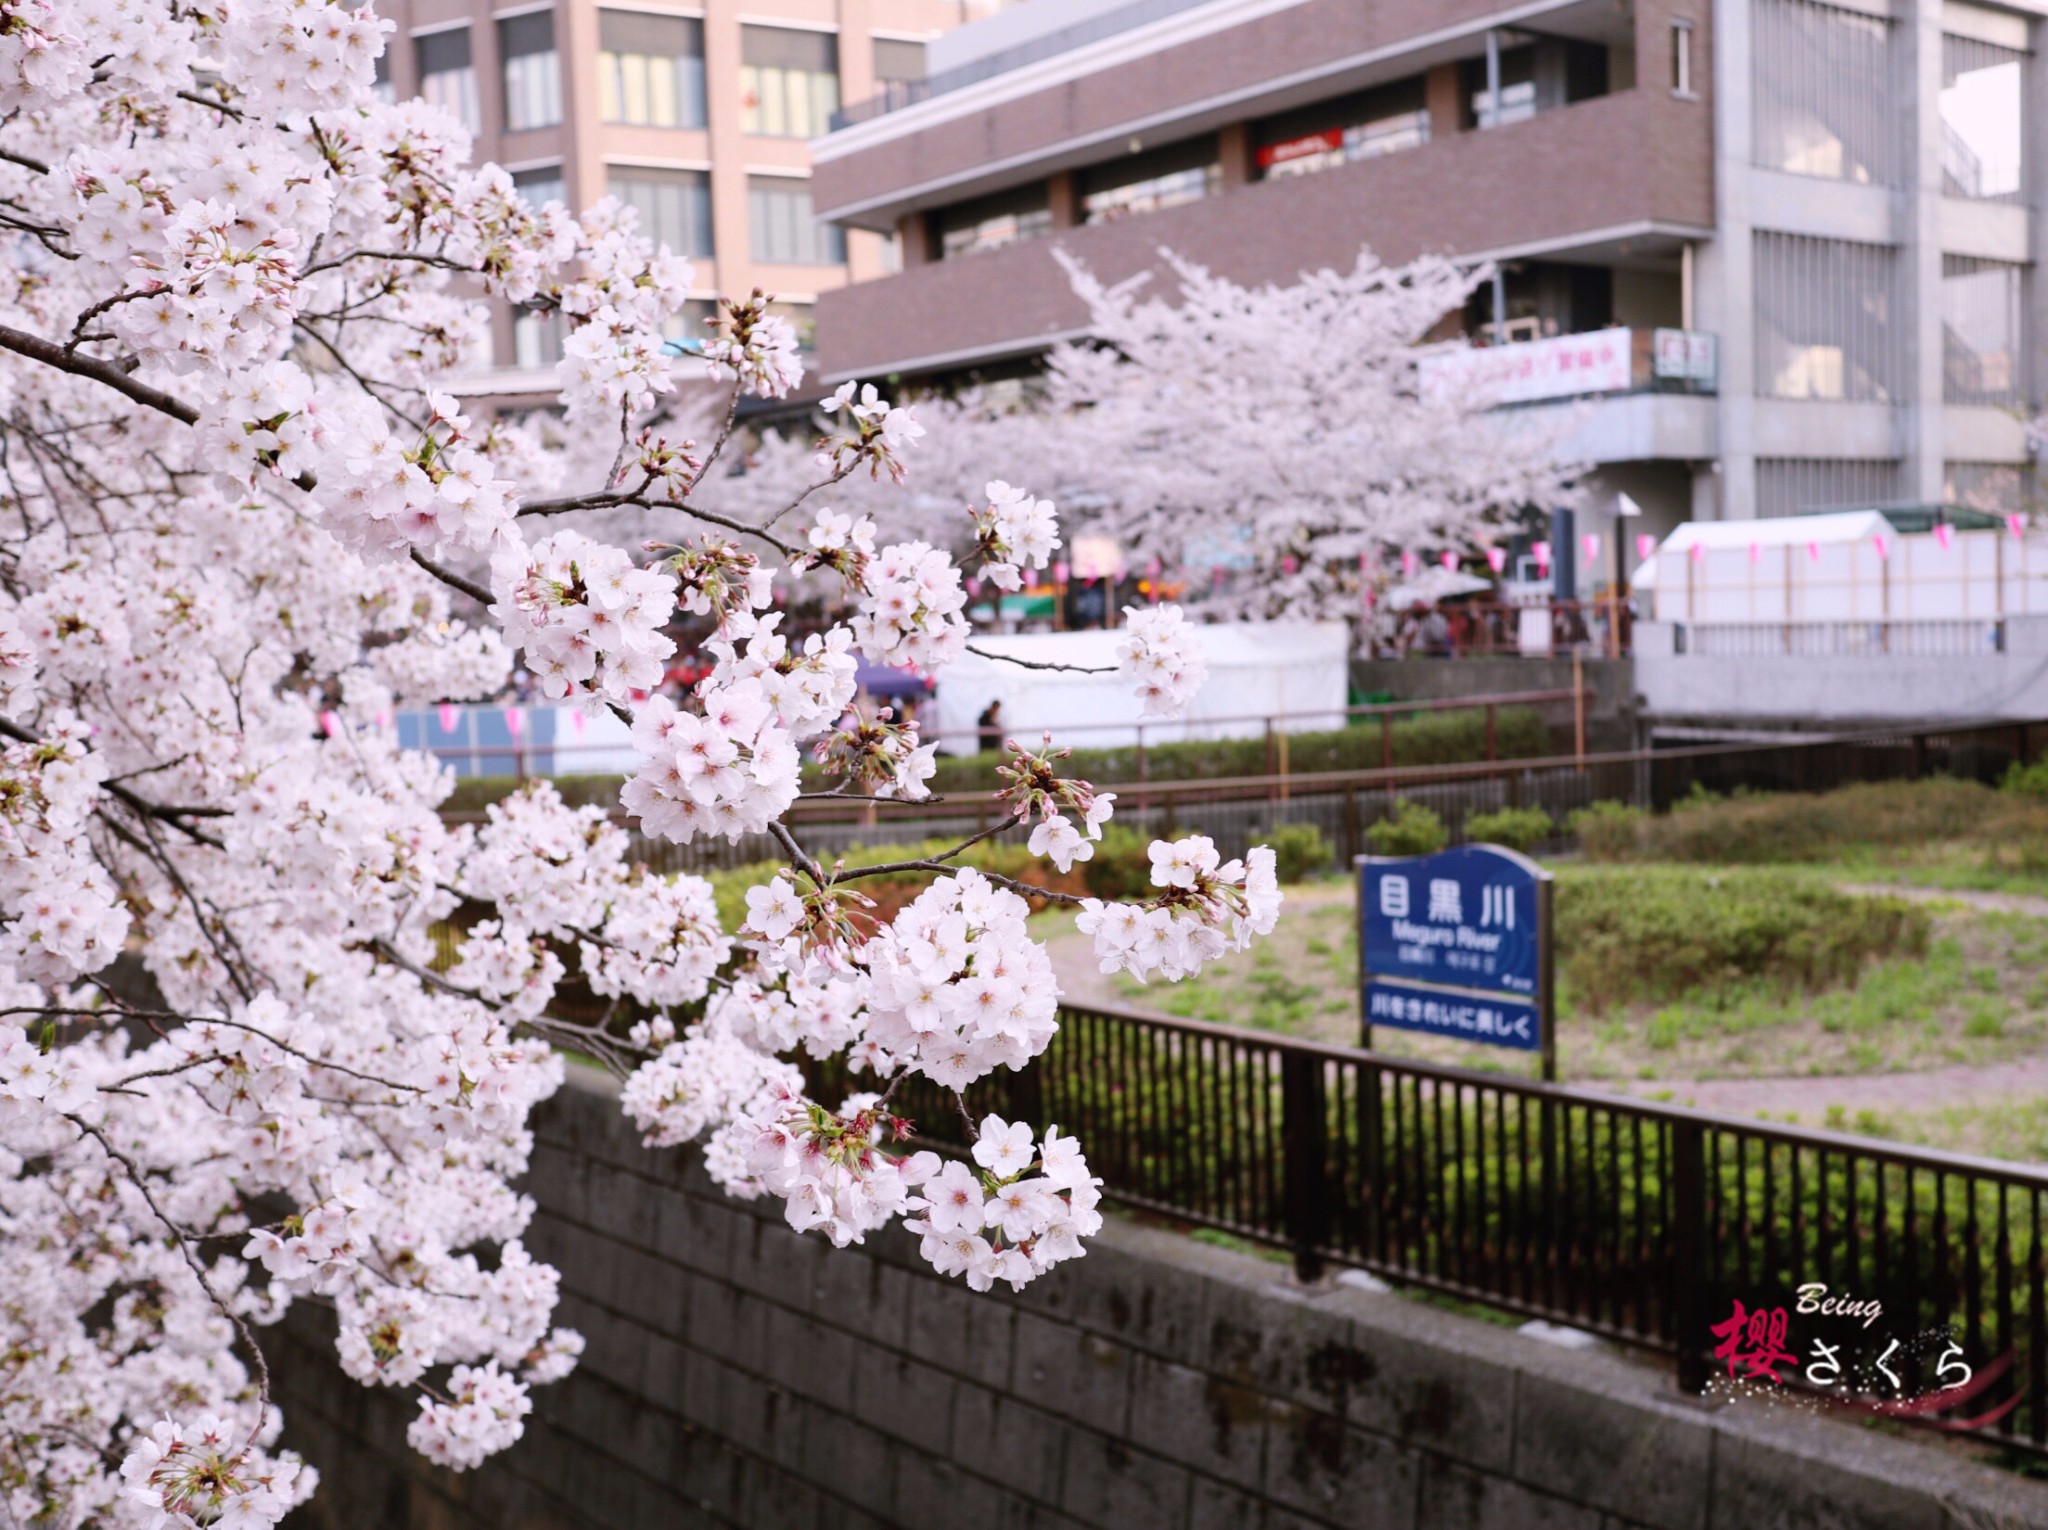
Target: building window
column 789, row 81
column 1982, row 112
column 537, row 188
column 1790, row 485
column 1517, row 89
column 650, row 69
column 782, row 228
column 1362, row 126
column 533, row 71
column 1826, row 101
column 1181, row 172
column 674, row 206
column 380, row 79
column 899, row 72
column 803, row 319
column 1981, row 338
column 448, row 75
column 536, row 338
column 1826, row 319
column 1681, row 59
column 692, row 325
column 991, row 223
column 1997, row 487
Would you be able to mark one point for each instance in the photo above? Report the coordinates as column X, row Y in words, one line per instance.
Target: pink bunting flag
column 1289, row 564
column 973, row 585
column 1697, row 552
column 576, row 724
column 1542, row 552
column 1496, row 558
column 2017, row 525
column 1756, row 552
column 449, row 716
column 1059, row 573
column 1590, row 542
column 515, row 721
column 1646, row 545
column 1945, row 534
column 1408, row 565
column 1449, row 559
column 384, row 718
column 1883, row 547
column 330, row 724
column 1813, row 551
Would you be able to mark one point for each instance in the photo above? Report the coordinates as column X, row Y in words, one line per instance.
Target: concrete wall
column 1840, row 691
column 738, row 1375
column 1610, row 688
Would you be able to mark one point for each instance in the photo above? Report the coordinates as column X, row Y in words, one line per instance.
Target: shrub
column 2026, row 780
column 1608, row 831
column 1518, row 828
column 1411, row 830
column 1121, row 868
column 1777, row 828
column 1657, row 933
column 1299, row 850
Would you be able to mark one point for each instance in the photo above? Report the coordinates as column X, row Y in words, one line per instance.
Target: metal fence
column 1956, row 638
column 1344, row 805
column 1638, row 1221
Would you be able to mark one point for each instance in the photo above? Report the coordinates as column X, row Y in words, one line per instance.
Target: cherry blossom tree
column 241, row 524
column 1289, row 429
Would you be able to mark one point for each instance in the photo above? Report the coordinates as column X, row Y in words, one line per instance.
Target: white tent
column 1294, row 672
column 1850, row 566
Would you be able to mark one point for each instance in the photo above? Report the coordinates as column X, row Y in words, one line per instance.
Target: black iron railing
column 1638, row 1221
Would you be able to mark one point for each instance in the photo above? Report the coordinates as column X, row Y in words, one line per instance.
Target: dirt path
column 1990, row 902
column 1883, row 1093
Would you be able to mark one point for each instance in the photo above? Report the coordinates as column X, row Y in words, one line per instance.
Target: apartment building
column 697, row 114
column 1762, row 256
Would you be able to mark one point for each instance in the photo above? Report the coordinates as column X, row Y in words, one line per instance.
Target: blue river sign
column 1496, row 1020
column 1467, row 916
column 1457, row 944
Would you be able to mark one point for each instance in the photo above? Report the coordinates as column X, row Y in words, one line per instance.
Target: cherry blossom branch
column 1004, row 658
column 51, row 354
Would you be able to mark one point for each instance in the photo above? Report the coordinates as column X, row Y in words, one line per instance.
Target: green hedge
column 1434, row 738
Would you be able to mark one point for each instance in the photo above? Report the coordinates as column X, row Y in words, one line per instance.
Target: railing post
column 1386, row 741
column 1351, row 845
column 1305, row 1204
column 1688, row 1252
column 1492, row 751
column 1269, row 757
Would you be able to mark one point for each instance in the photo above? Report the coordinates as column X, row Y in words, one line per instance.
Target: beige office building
column 699, row 115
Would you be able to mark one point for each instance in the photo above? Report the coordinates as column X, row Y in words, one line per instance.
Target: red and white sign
column 1563, row 367
column 1300, row 148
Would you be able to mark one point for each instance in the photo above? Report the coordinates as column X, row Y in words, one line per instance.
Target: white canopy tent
column 1283, row 670
column 1851, row 566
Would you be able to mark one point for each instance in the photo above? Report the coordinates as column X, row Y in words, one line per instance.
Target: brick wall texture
column 738, row 1375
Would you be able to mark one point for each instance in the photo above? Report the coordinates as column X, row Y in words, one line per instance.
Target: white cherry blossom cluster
column 724, row 581
column 1014, row 533
column 484, row 1413
column 811, row 686
column 840, row 542
column 1206, row 907
column 881, row 755
column 912, row 610
column 1007, row 1222
column 588, row 620
column 956, row 985
column 729, row 770
column 877, row 433
column 1162, row 655
column 1034, row 788
column 704, row 1080
column 758, row 348
column 206, row 1474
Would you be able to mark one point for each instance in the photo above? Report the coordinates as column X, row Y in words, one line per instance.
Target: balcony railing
column 897, row 94
column 1573, row 366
